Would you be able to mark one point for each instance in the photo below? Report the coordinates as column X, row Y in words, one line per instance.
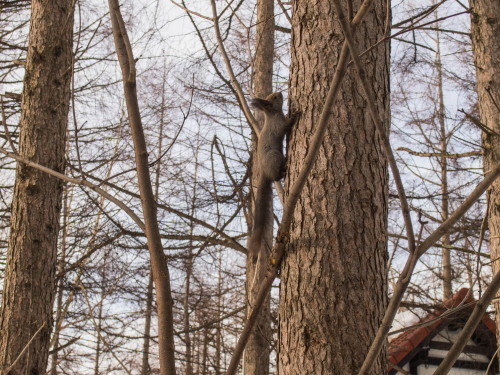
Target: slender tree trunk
column 204, row 360
column 443, row 144
column 189, row 270
column 333, row 279
column 99, row 332
column 146, row 368
column 256, row 359
column 161, row 275
column 218, row 329
column 29, row 287
column 54, row 359
column 187, row 336
column 196, row 352
column 485, row 28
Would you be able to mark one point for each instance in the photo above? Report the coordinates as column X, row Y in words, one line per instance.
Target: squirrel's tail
column 262, row 216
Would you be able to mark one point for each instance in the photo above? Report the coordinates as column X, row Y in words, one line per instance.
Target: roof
column 404, row 344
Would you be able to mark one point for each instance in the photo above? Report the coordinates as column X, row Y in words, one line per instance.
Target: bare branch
column 239, row 92
column 235, row 244
column 186, row 9
column 25, row 348
column 439, row 154
column 6, row 128
column 76, row 181
column 479, row 124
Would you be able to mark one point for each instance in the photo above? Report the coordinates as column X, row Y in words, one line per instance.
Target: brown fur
column 271, row 164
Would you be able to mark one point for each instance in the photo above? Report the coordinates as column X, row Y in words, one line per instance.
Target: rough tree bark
column 29, row 288
column 485, row 29
column 333, row 279
column 256, row 359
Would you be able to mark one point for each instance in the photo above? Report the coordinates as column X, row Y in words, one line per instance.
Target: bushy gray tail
column 262, row 216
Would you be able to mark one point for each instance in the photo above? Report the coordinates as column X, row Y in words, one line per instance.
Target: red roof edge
column 403, row 344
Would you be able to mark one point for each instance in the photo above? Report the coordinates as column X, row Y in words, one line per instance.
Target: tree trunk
column 485, row 28
column 256, row 360
column 333, row 279
column 99, row 332
column 60, row 286
column 445, row 207
column 29, row 288
column 159, row 266
column 218, row 328
column 145, row 367
column 204, row 360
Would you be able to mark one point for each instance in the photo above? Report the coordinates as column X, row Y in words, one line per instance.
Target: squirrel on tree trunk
column 271, row 163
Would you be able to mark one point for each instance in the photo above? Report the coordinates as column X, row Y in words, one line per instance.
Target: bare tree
column 198, row 139
column 26, row 317
column 257, row 351
column 159, row 266
column 333, row 280
column 485, row 28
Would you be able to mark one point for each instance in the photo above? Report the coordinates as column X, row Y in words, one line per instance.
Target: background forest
column 196, row 65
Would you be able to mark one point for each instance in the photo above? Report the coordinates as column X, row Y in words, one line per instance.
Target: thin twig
column 420, row 15
column 186, row 9
column 239, row 92
column 493, row 357
column 7, row 133
column 25, row 348
column 99, row 335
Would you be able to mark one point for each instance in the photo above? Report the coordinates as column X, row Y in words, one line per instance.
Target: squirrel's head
column 276, row 99
column 273, row 103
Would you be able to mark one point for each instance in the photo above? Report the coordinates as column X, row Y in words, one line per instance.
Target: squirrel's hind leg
column 274, row 165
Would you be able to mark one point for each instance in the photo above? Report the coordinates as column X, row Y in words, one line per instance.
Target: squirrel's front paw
column 293, row 117
column 282, row 173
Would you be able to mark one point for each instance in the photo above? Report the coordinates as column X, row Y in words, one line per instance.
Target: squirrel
column 271, row 163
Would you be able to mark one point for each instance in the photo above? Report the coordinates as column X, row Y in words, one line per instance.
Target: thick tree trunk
column 485, row 28
column 31, row 256
column 256, row 360
column 333, row 279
